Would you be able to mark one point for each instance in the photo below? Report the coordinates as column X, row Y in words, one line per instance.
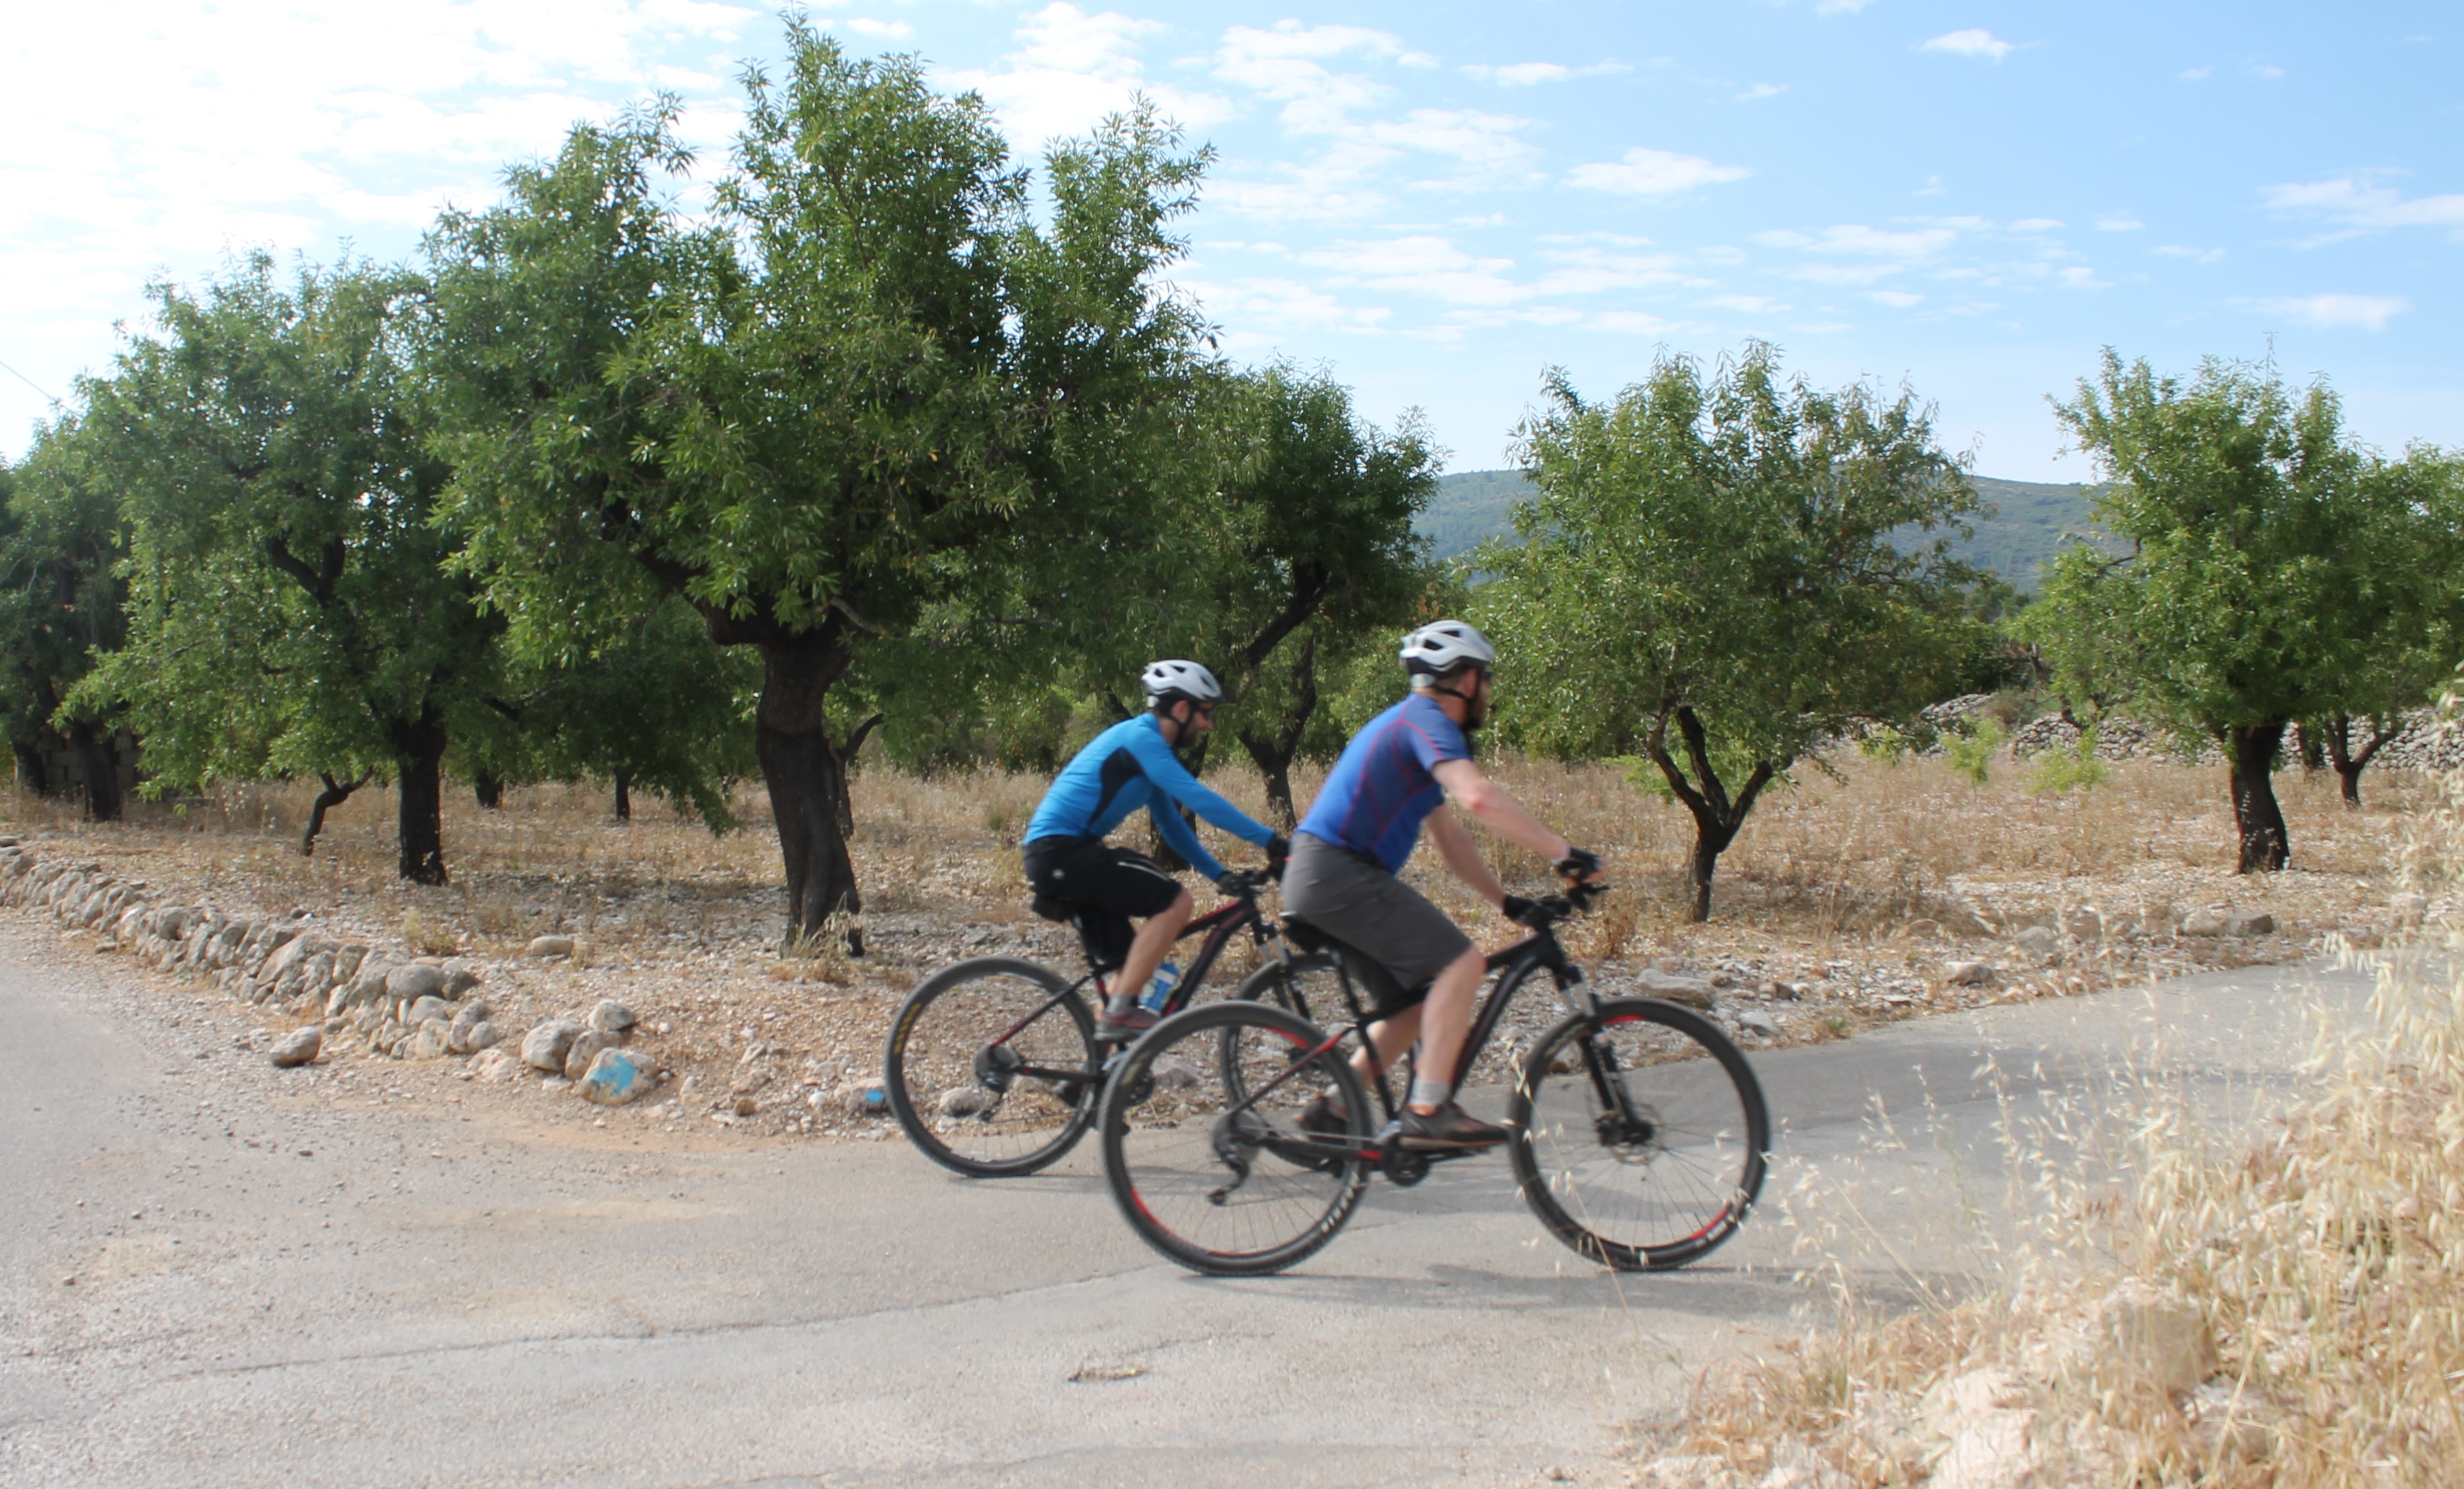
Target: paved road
column 216, row 1280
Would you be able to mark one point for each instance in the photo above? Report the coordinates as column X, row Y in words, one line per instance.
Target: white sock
column 1432, row 1094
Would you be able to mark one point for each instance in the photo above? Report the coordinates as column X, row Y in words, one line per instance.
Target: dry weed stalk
column 2327, row 1261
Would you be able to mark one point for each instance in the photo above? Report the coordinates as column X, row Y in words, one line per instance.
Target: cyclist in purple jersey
column 1395, row 778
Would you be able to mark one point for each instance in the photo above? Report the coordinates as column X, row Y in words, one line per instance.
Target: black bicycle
column 992, row 1066
column 1640, row 1131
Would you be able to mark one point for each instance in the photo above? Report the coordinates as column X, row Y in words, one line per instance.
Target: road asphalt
column 212, row 1275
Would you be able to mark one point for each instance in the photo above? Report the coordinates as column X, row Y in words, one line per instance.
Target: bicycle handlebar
column 1549, row 910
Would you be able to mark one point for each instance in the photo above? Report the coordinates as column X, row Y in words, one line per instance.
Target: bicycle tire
column 1289, row 988
column 1576, row 1164
column 1165, row 1156
column 940, row 1061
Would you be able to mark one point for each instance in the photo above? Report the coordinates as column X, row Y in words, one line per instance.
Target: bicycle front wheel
column 992, row 1069
column 1640, row 1135
column 1203, row 1146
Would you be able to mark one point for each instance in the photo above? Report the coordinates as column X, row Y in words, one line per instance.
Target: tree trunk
column 1716, row 817
column 2253, row 748
column 31, row 774
column 623, row 797
column 333, row 796
column 490, row 788
column 419, row 757
column 101, row 764
column 2307, row 743
column 1273, row 752
column 2349, row 765
column 807, row 780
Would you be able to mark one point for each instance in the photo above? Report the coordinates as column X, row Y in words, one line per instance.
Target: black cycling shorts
column 1116, row 884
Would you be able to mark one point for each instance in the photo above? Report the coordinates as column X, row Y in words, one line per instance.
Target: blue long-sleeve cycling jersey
column 1129, row 766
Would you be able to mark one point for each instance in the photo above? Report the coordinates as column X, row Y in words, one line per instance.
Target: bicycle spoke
column 992, row 1067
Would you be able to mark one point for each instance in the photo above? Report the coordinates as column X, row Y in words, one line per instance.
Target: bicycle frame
column 1217, row 927
column 1513, row 965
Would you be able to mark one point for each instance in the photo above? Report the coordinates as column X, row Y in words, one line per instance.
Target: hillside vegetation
column 2027, row 522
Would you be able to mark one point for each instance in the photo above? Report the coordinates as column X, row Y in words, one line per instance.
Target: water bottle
column 1167, row 978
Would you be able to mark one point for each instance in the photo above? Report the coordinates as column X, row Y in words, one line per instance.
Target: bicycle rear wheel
column 992, row 1069
column 1311, row 987
column 1639, row 1135
column 1211, row 1167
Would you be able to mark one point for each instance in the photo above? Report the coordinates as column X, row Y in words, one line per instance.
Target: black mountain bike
column 1640, row 1131
column 993, row 1067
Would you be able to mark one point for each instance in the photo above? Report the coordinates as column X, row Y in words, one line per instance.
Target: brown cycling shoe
column 1449, row 1129
column 1121, row 1027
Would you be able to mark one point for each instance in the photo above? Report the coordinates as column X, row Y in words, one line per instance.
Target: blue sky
column 1435, row 202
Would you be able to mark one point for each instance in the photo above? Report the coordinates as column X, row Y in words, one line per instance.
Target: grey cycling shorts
column 1351, row 898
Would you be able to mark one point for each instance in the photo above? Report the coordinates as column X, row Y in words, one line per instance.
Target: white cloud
column 2117, row 223
column 1646, row 172
column 2195, row 255
column 1896, row 300
column 2266, row 73
column 2338, row 312
column 2365, row 206
column 2036, row 225
column 1253, row 311
column 2196, row 73
column 1071, row 69
column 1525, row 74
column 1751, row 304
column 1636, row 322
column 888, row 30
column 1286, row 62
column 1431, row 267
column 2078, row 276
column 1839, row 6
column 1975, row 41
column 1761, row 90
column 1858, row 239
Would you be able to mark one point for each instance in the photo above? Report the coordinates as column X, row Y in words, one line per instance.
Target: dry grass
column 2327, row 1261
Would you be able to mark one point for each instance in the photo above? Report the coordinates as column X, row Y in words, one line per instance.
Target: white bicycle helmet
column 1171, row 680
column 1442, row 646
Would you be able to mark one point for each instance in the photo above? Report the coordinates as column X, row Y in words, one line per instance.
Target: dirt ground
column 1846, row 902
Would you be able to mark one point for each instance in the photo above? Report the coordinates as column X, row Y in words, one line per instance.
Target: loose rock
column 422, row 1010
column 585, row 1048
column 1173, row 1075
column 298, row 1048
column 610, row 1017
column 431, row 1041
column 545, row 1046
column 2203, row 922
column 545, row 947
column 1676, row 987
column 963, row 1100
column 615, row 1077
column 2145, row 1333
column 2258, row 923
column 1968, row 974
column 415, row 980
column 1755, row 1021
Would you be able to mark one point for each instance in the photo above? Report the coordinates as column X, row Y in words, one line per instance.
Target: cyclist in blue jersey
column 1128, row 766
column 1395, row 778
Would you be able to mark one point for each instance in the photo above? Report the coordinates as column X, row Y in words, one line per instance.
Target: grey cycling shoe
column 1449, row 1129
column 1123, row 1026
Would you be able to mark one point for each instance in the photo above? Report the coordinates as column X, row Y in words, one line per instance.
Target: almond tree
column 290, row 613
column 2275, row 571
column 61, row 605
column 1715, row 575
column 880, row 404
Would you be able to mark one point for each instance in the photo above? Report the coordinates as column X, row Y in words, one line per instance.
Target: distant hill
column 2029, row 519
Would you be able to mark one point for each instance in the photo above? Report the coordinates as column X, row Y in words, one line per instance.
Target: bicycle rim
column 970, row 1068
column 1213, row 1176
column 1659, row 1187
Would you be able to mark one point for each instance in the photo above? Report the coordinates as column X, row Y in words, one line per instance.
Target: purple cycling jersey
column 1380, row 792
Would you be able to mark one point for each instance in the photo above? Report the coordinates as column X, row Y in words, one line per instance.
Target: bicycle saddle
column 1383, row 989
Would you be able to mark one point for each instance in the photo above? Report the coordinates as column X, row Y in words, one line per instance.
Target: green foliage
column 2075, row 769
column 2275, row 570
column 290, row 613
column 1971, row 754
column 1709, row 577
column 61, row 603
